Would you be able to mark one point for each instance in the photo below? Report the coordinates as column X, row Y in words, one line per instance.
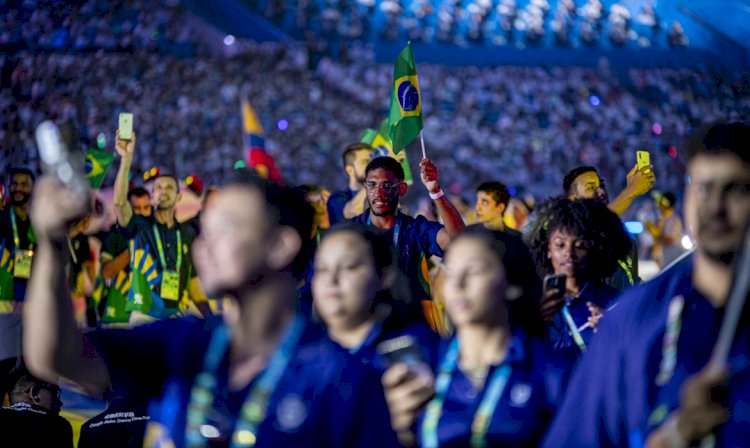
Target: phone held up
column 643, row 159
column 126, row 126
column 555, row 281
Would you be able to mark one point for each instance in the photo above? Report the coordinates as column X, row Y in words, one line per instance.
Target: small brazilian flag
column 405, row 117
column 96, row 165
column 381, row 145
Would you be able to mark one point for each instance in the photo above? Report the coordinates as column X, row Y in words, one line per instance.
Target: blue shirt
column 417, row 237
column 526, row 407
column 559, row 332
column 336, row 203
column 613, row 399
column 322, row 399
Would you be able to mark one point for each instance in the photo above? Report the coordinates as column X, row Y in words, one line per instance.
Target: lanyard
column 577, row 338
column 72, row 251
column 160, row 249
column 671, row 338
column 627, row 266
column 254, row 408
column 487, row 406
column 16, row 239
column 396, row 227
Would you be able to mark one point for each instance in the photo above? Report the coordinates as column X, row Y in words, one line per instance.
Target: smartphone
column 401, row 349
column 643, row 159
column 54, row 144
column 126, row 126
column 555, row 281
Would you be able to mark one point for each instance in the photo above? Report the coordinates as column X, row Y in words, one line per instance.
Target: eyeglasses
column 387, row 187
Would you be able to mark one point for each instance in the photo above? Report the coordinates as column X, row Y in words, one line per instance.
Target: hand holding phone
column 552, row 299
column 403, row 349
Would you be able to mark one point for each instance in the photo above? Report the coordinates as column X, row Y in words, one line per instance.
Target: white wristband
column 438, row 195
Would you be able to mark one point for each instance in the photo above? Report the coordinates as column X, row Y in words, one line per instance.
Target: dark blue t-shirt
column 560, row 333
column 336, row 203
column 614, row 399
column 525, row 408
column 417, row 237
column 322, row 399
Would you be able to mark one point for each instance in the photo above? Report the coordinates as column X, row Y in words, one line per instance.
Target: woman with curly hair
column 581, row 240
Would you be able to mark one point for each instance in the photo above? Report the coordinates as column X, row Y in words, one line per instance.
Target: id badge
column 170, row 285
column 22, row 263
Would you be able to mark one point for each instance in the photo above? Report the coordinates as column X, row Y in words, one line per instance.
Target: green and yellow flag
column 96, row 164
column 405, row 117
column 381, row 145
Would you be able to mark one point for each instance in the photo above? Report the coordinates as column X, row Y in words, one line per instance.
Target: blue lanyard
column 374, row 332
column 396, row 227
column 487, row 406
column 577, row 338
column 255, row 407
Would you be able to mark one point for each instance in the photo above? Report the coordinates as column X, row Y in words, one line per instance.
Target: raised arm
column 446, row 211
column 52, row 344
column 639, row 183
column 123, row 210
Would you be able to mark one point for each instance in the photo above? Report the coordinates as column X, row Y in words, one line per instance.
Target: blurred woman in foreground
column 497, row 383
column 360, row 295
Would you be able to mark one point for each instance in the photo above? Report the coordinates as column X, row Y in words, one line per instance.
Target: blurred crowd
column 526, row 123
column 81, row 25
column 495, row 22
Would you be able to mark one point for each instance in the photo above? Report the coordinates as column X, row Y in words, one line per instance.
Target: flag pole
column 421, row 138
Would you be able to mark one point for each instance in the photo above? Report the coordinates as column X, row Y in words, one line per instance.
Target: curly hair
column 591, row 220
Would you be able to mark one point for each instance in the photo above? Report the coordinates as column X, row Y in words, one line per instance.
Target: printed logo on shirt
column 291, row 413
column 138, row 299
column 520, row 395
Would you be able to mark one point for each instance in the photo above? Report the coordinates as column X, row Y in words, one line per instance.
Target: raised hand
column 125, row 148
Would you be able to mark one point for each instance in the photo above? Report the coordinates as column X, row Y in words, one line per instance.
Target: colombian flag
column 96, row 164
column 255, row 144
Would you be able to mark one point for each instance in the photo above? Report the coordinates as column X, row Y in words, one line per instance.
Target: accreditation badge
column 22, row 263
column 170, row 285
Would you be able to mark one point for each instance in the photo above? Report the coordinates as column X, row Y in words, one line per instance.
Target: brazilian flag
column 6, row 279
column 381, row 144
column 96, row 164
column 115, row 297
column 405, row 117
column 144, row 276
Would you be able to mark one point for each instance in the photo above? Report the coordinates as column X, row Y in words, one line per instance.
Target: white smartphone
column 126, row 126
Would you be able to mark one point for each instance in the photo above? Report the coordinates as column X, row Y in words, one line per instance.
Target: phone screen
column 556, row 281
column 126, row 126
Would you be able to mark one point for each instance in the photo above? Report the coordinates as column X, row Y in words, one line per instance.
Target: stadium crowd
column 320, row 310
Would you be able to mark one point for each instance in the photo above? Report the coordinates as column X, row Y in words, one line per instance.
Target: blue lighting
column 282, row 124
column 634, row 227
column 594, row 100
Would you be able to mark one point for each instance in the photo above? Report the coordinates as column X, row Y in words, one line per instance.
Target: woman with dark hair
column 498, row 383
column 362, row 297
column 582, row 241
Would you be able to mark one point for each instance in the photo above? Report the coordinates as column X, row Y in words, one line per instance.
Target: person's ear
column 503, row 207
column 402, row 189
column 349, row 170
column 284, row 247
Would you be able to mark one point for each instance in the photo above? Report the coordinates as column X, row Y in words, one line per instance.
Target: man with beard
column 16, row 254
column 163, row 281
column 584, row 182
column 413, row 238
column 647, row 379
column 346, row 204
